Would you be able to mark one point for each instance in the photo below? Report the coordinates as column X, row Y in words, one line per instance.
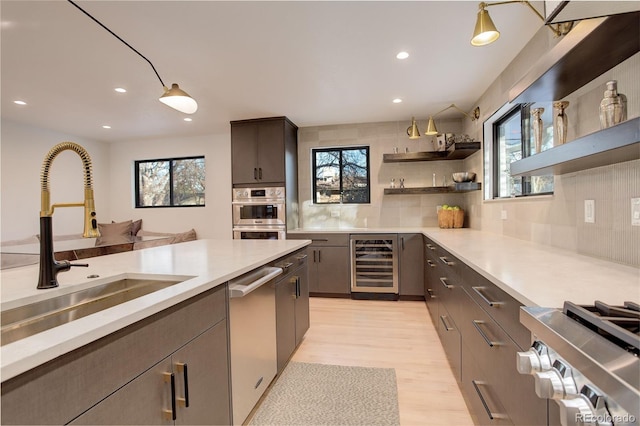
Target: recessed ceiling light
column 120, row 90
column 402, row 55
column 397, row 100
column 188, row 119
column 19, row 102
column 106, row 127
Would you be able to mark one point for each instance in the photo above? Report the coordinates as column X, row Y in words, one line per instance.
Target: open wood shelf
column 591, row 48
column 456, row 188
column 457, row 151
column 609, row 146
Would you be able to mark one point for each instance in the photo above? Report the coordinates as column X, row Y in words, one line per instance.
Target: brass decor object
column 613, row 107
column 536, row 127
column 49, row 266
column 485, row 32
column 560, row 121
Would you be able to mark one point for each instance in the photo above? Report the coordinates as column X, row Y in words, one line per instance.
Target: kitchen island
column 200, row 265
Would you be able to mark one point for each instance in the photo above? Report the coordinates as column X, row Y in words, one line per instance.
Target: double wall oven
column 259, row 213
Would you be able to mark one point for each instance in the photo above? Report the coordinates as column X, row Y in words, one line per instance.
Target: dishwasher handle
column 244, row 285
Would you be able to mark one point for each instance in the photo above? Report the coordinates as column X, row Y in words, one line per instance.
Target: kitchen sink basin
column 27, row 320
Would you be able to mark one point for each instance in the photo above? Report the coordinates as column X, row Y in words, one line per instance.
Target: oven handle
column 265, row 201
column 241, row 286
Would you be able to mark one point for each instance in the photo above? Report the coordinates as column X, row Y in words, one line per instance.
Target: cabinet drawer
column 450, row 338
column 322, row 239
column 480, row 393
column 445, row 260
column 499, row 305
column 495, row 355
column 71, row 383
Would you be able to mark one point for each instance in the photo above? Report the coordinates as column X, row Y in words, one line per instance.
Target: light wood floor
column 387, row 334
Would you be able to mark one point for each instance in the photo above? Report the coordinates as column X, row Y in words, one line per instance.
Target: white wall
column 211, row 221
column 24, row 147
column 22, row 151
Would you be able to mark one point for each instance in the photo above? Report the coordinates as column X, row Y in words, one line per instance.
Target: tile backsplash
column 384, row 210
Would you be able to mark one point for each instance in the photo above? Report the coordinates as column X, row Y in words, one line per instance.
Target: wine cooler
column 374, row 264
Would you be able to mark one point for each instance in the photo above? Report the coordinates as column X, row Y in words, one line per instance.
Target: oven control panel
column 580, row 401
column 258, row 194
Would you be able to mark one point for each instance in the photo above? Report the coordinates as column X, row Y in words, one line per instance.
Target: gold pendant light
column 485, row 31
column 412, row 130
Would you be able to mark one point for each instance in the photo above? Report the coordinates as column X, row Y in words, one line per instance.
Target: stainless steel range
column 585, row 358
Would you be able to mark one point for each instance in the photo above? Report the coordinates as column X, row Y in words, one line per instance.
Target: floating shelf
column 591, row 48
column 456, row 188
column 457, row 151
column 609, row 146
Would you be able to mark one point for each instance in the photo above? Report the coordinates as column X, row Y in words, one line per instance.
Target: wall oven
column 259, row 213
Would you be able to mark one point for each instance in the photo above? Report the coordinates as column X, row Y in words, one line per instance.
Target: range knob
column 548, row 384
column 535, row 359
column 278, row 192
column 576, row 411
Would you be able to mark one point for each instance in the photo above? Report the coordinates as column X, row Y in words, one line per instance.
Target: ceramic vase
column 613, row 107
column 536, row 124
column 560, row 121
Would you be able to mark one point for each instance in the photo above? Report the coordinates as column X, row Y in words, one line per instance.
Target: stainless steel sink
column 27, row 320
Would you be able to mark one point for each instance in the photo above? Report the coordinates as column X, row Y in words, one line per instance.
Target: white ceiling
column 326, row 62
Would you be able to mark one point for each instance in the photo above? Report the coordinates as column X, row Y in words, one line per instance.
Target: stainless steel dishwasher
column 252, row 313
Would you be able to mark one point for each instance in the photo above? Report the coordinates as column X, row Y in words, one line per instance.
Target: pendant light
column 178, row 99
column 412, row 130
column 175, row 97
column 431, row 125
column 485, row 31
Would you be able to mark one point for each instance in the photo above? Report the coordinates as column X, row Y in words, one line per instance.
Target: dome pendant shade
column 179, row 100
column 412, row 130
column 431, row 128
column 485, row 31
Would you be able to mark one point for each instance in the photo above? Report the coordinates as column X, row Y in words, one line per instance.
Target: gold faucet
column 49, row 266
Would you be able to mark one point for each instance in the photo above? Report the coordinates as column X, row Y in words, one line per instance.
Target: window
column 341, row 175
column 511, row 139
column 170, row 182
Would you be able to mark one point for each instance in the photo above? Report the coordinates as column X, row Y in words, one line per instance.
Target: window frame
column 341, row 190
column 491, row 155
column 171, row 160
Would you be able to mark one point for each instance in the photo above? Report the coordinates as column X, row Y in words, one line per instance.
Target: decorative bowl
column 464, row 177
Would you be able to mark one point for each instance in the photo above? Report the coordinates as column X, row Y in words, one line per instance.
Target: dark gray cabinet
column 410, row 250
column 130, row 365
column 478, row 327
column 262, row 151
column 196, row 371
column 329, row 264
column 292, row 306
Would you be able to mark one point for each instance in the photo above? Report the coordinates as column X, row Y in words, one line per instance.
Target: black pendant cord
column 119, row 38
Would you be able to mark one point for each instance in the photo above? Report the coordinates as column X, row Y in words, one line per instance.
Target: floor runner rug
column 319, row 394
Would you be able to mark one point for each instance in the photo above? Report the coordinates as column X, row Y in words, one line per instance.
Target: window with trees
column 341, row 175
column 510, row 139
column 170, row 182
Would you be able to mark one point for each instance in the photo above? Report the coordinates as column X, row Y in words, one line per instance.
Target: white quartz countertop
column 534, row 274
column 203, row 264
